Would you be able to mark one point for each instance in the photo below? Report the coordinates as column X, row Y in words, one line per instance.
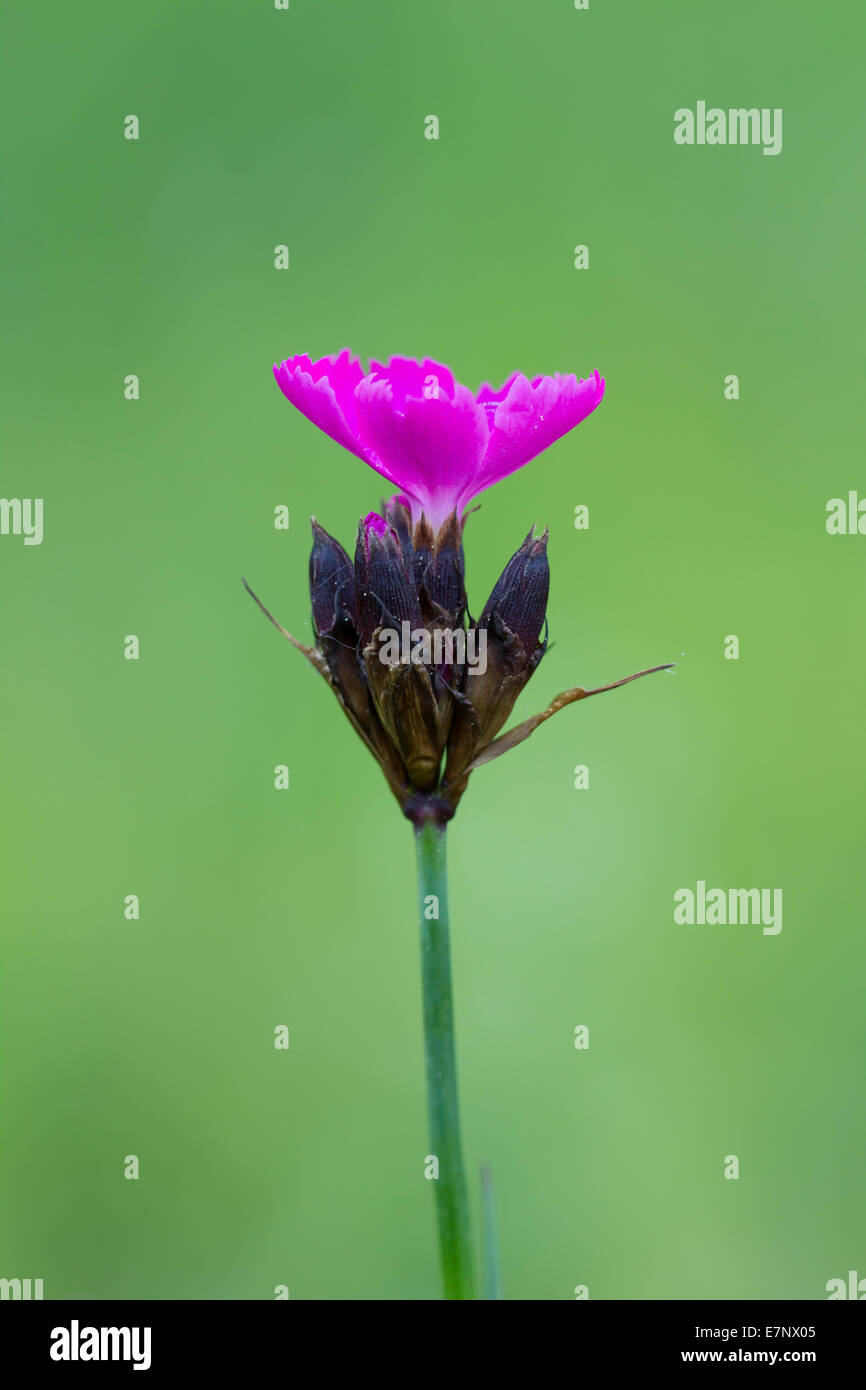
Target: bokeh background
column 707, row 518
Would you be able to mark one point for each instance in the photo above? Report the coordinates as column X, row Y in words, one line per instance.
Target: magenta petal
column 432, row 446
column 324, row 392
column 428, row 435
column 374, row 522
column 488, row 394
column 526, row 417
column 411, row 378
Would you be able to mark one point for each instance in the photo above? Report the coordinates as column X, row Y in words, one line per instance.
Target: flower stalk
column 452, row 1205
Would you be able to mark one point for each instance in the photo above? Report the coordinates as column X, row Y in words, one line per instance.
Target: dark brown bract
column 427, row 687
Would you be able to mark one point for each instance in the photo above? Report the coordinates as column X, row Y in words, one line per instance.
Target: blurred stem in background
column 492, row 1273
column 452, row 1207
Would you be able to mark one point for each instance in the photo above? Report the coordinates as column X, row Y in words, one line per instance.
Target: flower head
column 427, row 686
column 438, row 442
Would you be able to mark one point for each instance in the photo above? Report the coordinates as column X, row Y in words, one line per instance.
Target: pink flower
column 434, row 439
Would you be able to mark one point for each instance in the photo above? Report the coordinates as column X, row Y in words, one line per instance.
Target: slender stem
column 492, row 1267
column 452, row 1207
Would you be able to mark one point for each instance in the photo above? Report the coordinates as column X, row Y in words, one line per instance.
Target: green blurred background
column 707, row 518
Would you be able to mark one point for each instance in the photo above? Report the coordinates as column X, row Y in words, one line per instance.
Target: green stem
column 492, row 1268
column 452, row 1207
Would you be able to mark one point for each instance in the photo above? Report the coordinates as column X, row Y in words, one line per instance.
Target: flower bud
column 444, row 577
column 519, row 599
column 402, row 691
column 511, row 622
column 384, row 590
column 332, row 583
column 332, row 595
